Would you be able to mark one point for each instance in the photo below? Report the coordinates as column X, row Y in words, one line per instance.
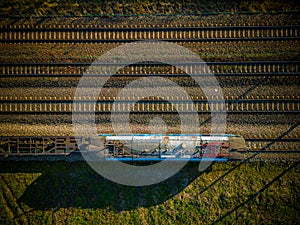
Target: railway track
column 256, row 145
column 47, row 145
column 201, row 33
column 290, row 68
column 272, row 104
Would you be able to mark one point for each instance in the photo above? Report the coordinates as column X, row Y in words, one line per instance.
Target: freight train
column 148, row 147
column 171, row 146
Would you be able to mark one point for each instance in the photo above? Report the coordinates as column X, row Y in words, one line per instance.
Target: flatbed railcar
column 154, row 147
column 131, row 147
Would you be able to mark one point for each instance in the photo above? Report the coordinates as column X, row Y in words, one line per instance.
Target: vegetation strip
column 258, row 192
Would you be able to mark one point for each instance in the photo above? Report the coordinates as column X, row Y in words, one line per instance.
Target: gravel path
column 69, row 92
column 208, row 51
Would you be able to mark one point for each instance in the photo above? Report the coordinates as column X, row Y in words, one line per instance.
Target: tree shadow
column 63, row 185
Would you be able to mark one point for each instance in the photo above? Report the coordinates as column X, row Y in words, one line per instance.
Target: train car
column 171, row 146
column 131, row 147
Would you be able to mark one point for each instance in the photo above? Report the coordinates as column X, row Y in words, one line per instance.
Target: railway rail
column 286, row 68
column 64, row 145
column 17, row 34
column 203, row 33
column 135, row 105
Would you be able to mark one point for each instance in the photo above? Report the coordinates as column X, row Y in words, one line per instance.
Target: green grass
column 72, row 193
column 108, row 7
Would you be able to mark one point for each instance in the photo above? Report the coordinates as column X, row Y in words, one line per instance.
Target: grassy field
column 88, row 7
column 72, row 193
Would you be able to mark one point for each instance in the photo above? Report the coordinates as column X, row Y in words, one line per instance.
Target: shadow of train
column 63, row 185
